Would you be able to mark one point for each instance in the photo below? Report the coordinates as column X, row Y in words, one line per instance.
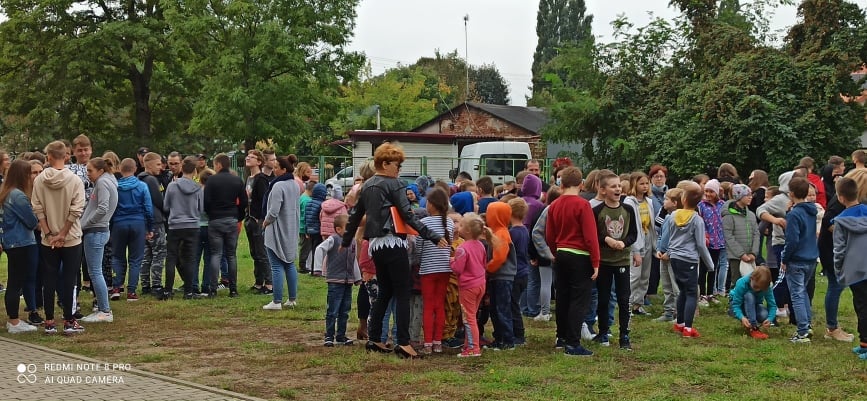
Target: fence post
column 424, row 165
column 322, row 171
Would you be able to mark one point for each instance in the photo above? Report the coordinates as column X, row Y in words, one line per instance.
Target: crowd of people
column 442, row 258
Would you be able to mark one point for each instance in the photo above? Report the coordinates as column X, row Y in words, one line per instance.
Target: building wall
column 471, row 123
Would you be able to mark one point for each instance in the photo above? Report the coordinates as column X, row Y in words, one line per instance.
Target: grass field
column 233, row 344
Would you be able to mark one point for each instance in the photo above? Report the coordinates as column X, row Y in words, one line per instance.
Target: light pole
column 467, row 53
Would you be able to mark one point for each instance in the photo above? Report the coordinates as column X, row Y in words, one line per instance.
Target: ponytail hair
column 439, row 200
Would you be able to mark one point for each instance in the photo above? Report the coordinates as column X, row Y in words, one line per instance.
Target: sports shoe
column 560, row 344
column 859, row 349
column 690, row 332
column 453, row 343
column 273, row 306
column 72, row 327
column 290, row 304
column 329, row 342
column 839, row 335
column 639, row 311
column 800, row 339
column 470, row 353
column 50, row 328
column 504, row 347
column 543, row 317
column 665, row 317
column 34, row 318
column 345, row 341
column 99, row 317
column 586, row 335
column 266, row 291
column 21, row 327
column 678, row 327
column 115, row 294
column 577, row 351
column 234, row 294
column 602, row 339
column 714, row 300
column 625, row 344
column 757, row 334
column 131, row 297
column 703, row 301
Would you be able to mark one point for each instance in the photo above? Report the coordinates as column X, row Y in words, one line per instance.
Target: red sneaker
column 690, row 332
column 678, row 327
column 757, row 334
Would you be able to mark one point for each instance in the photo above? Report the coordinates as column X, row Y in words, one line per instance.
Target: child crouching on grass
column 341, row 272
column 469, row 267
column 747, row 297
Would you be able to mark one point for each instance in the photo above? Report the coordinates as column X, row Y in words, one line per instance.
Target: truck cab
column 499, row 160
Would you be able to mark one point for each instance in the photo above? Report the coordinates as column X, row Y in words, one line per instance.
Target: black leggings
column 21, row 265
column 50, row 261
column 620, row 277
column 362, row 303
column 393, row 274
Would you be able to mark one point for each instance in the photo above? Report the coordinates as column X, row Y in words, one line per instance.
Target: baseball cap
column 143, row 150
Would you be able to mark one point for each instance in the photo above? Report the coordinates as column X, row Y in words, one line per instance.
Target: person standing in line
column 257, row 189
column 155, row 246
column 19, row 242
column 184, row 204
column 132, row 225
column 95, row 228
column 58, row 202
column 225, row 204
column 281, row 226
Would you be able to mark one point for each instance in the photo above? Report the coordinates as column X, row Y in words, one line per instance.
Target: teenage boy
column 850, row 243
column 155, row 246
column 571, row 233
column 615, row 224
column 799, row 255
column 58, row 202
column 683, row 245
column 225, row 204
column 184, row 204
column 257, row 188
column 132, row 225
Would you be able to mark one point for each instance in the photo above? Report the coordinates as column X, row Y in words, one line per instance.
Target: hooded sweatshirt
column 532, row 190
column 462, row 202
column 101, row 205
column 850, row 245
column 133, row 203
column 330, row 209
column 311, row 212
column 801, row 244
column 683, row 238
column 156, row 193
column 184, row 204
column 504, row 261
column 58, row 197
column 469, row 264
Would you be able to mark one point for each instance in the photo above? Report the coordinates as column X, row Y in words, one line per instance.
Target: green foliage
column 559, row 24
column 707, row 90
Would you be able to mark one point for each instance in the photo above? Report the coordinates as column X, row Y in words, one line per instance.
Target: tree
column 559, row 23
column 488, row 86
column 271, row 70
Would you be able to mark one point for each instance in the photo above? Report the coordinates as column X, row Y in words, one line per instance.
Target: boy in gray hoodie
column 183, row 205
column 684, row 245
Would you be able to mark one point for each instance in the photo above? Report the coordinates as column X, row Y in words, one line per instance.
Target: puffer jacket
column 741, row 231
column 314, row 206
column 330, row 209
column 378, row 194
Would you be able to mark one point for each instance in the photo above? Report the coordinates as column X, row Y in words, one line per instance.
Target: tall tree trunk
column 141, row 90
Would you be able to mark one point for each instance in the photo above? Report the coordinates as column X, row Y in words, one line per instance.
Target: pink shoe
column 469, row 353
column 678, row 327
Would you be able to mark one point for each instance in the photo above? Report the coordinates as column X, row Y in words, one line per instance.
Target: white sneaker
column 98, row 317
column 782, row 312
column 586, row 335
column 290, row 304
column 273, row 306
column 542, row 317
column 21, row 327
column 703, row 302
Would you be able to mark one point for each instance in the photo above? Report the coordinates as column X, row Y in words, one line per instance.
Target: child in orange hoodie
column 501, row 273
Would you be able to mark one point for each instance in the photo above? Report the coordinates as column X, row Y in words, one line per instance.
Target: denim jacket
column 18, row 221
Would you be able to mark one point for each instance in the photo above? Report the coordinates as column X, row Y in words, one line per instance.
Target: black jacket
column 378, row 194
column 225, row 196
column 156, row 192
column 258, row 193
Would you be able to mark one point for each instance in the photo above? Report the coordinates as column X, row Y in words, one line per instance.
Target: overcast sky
column 502, row 32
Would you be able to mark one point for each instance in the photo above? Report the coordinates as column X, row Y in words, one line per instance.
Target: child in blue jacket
column 747, row 300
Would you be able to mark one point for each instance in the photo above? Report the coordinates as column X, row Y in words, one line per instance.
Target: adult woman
column 94, row 226
column 281, row 232
column 728, row 173
column 388, row 247
column 19, row 242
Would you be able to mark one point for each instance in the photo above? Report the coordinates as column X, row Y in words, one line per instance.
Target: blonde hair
column 633, row 183
column 860, row 178
column 477, row 229
column 519, row 208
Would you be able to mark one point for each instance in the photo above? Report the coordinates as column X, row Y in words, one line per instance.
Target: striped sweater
column 433, row 259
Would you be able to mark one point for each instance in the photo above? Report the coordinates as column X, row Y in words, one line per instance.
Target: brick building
column 477, row 122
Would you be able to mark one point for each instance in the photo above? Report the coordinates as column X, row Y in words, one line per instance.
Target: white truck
column 499, row 160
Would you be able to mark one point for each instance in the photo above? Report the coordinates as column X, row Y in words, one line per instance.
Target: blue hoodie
column 532, row 190
column 133, row 203
column 462, row 202
column 314, row 206
column 801, row 244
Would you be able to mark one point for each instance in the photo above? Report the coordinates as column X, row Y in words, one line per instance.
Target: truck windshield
column 503, row 164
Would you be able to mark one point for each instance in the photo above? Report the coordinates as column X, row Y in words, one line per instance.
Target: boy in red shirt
column 571, row 233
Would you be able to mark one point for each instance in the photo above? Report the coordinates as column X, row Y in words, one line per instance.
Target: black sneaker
column 601, row 339
column 256, row 290
column 625, row 344
column 190, row 295
column 577, row 351
column 77, row 315
column 266, row 291
column 345, row 341
column 329, row 342
column 156, row 291
column 453, row 343
column 165, row 295
column 35, row 319
column 145, row 290
column 560, row 344
column 234, row 294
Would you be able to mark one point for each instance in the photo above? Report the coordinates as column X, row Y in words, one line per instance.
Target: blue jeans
column 339, row 303
column 754, row 310
column 501, row 306
column 127, row 242
column 530, row 305
column 385, row 323
column 590, row 316
column 281, row 271
column 723, row 273
column 797, row 274
column 94, row 247
column 223, row 241
column 832, row 298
